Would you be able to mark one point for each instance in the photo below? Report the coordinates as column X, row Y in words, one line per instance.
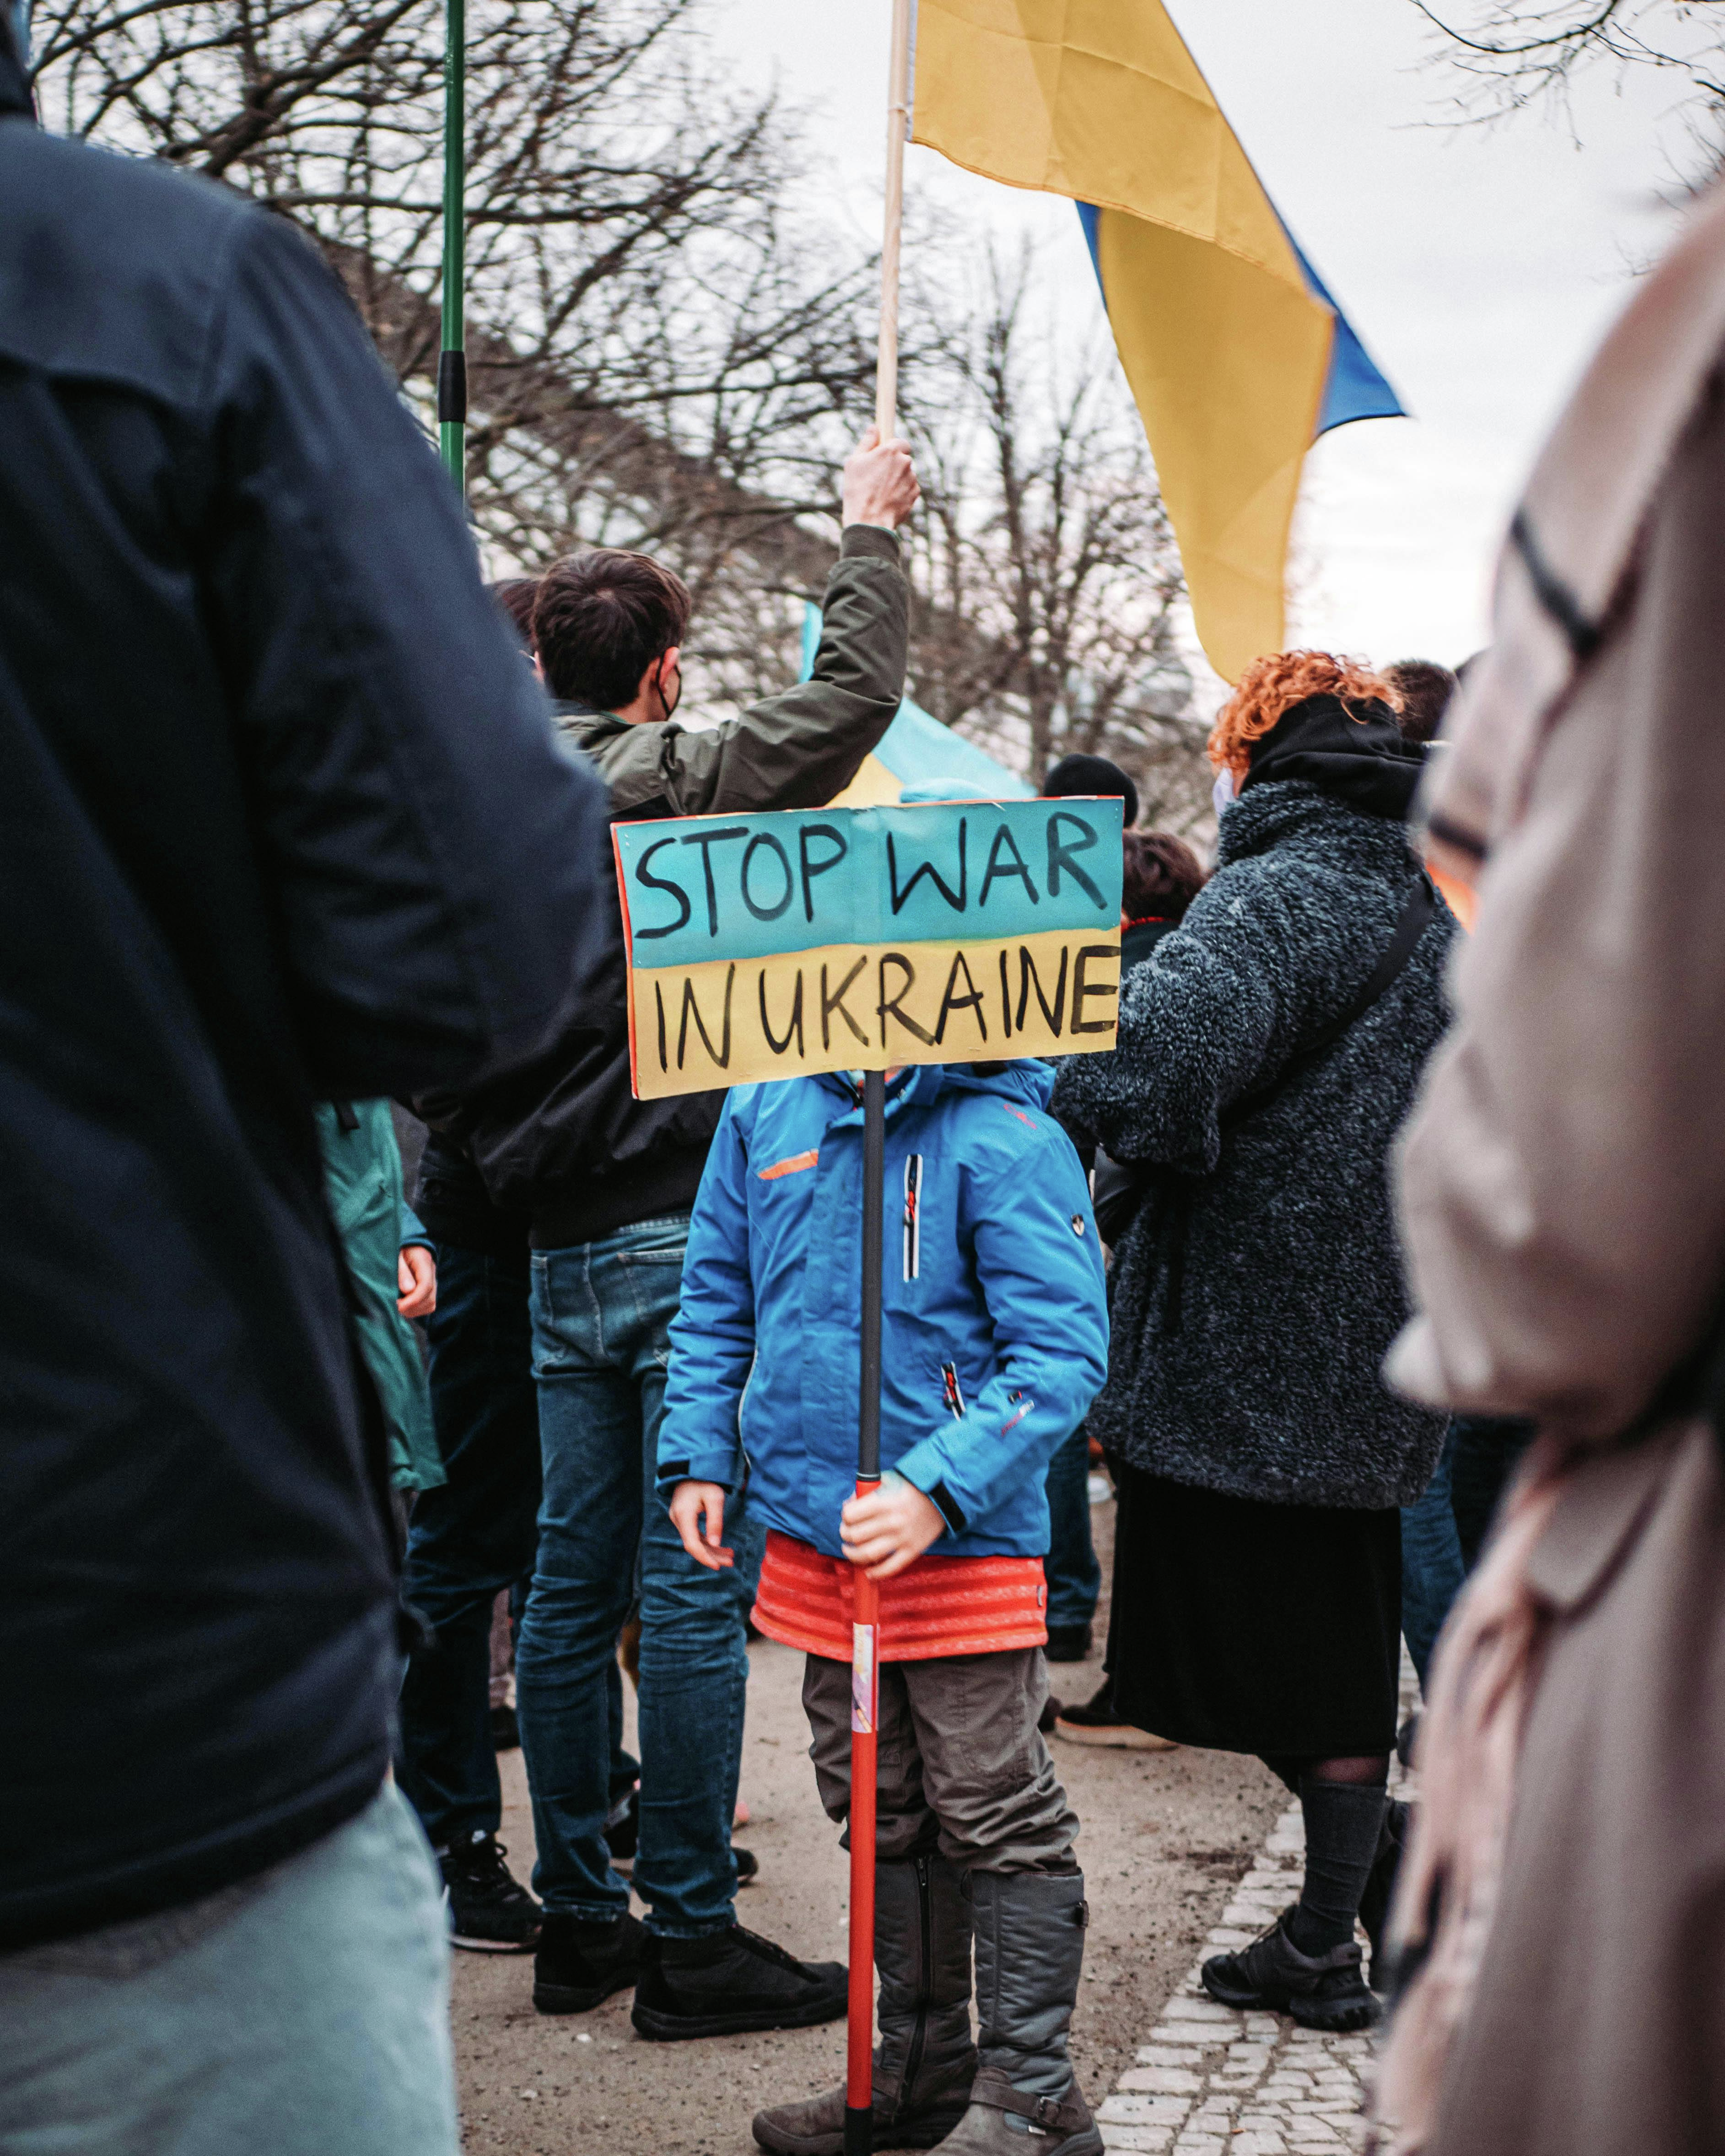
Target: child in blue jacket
column 994, row 1340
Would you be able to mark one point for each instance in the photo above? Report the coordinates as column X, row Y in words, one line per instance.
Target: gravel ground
column 1167, row 1835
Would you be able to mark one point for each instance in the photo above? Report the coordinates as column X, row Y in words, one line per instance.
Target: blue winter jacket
column 995, row 1330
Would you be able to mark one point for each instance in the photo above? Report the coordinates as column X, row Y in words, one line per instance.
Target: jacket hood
column 1353, row 752
column 1026, row 1080
column 1297, row 810
column 14, row 88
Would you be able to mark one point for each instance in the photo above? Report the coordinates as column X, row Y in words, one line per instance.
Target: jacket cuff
column 861, row 539
column 923, row 1468
column 711, row 1464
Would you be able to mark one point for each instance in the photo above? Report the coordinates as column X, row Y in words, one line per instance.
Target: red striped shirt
column 935, row 1606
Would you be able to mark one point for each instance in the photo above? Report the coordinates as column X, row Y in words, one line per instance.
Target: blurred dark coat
column 280, row 819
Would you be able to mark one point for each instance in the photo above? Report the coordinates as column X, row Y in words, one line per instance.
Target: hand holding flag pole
column 865, row 1614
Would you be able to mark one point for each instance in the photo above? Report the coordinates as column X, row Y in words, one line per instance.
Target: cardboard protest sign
column 776, row 946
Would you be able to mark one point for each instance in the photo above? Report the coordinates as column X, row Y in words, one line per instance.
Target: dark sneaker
column 1324, row 1991
column 1096, row 1722
column 491, row 1912
column 730, row 1982
column 506, row 1730
column 1067, row 1643
column 579, row 1964
column 749, row 1866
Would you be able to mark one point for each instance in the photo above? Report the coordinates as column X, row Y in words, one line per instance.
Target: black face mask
column 668, row 706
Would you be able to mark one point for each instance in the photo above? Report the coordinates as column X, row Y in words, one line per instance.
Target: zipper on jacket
column 925, row 1984
column 949, row 1387
column 913, row 1222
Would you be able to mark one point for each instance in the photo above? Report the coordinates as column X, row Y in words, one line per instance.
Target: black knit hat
column 1090, row 774
column 1353, row 752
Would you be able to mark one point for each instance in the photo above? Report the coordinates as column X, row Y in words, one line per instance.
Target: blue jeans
column 602, row 1315
column 302, row 2013
column 1432, row 1569
column 1074, row 1579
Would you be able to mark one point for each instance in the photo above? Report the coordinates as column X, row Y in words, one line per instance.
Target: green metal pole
column 452, row 360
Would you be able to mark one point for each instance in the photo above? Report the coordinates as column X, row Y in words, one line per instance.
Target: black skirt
column 1239, row 1626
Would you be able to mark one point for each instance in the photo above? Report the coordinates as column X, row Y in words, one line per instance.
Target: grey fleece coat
column 1257, row 1291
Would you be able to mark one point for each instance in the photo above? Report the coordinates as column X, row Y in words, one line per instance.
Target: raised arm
column 798, row 748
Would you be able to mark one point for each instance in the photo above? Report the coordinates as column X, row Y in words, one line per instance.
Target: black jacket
column 1257, row 1292
column 566, row 1140
column 280, row 819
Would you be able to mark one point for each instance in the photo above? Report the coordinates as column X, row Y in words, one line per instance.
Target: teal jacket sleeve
column 712, row 1336
column 1040, row 1262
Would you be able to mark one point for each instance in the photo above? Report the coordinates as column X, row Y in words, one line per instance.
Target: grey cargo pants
column 962, row 1765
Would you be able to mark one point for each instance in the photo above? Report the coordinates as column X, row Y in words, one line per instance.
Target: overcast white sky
column 1479, row 266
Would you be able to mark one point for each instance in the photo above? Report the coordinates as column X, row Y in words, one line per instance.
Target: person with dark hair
column 608, row 627
column 290, row 829
column 1092, row 775
column 1420, row 691
column 609, row 1182
column 1267, row 1054
column 1162, row 875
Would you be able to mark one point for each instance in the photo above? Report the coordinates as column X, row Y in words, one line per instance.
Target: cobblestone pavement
column 1213, row 2082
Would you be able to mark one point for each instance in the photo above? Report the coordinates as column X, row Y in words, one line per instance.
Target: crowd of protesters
column 1379, row 1264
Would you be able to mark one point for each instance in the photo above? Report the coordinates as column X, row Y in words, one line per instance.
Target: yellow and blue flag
column 916, row 750
column 1236, row 354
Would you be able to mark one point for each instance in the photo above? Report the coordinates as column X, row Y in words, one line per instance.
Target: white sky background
column 1479, row 265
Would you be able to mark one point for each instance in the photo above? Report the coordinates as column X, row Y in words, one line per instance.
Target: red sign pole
column 865, row 1614
column 864, row 1649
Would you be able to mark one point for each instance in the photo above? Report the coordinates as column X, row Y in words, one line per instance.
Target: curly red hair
column 1274, row 685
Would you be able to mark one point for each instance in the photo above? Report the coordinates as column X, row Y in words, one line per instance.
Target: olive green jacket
column 795, row 749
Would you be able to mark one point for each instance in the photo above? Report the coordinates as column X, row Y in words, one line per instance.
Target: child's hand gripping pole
column 865, row 1654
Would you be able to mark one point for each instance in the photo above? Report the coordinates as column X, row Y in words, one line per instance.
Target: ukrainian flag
column 915, row 750
column 1237, row 355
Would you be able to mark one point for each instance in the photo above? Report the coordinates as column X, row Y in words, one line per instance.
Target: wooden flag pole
column 865, row 1614
column 898, row 126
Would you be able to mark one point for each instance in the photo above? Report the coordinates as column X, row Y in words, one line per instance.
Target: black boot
column 1030, row 1952
column 925, row 2061
column 726, row 1983
column 580, row 1963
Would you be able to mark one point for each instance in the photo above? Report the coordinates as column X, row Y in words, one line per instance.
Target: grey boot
column 1029, row 1951
column 925, row 2061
